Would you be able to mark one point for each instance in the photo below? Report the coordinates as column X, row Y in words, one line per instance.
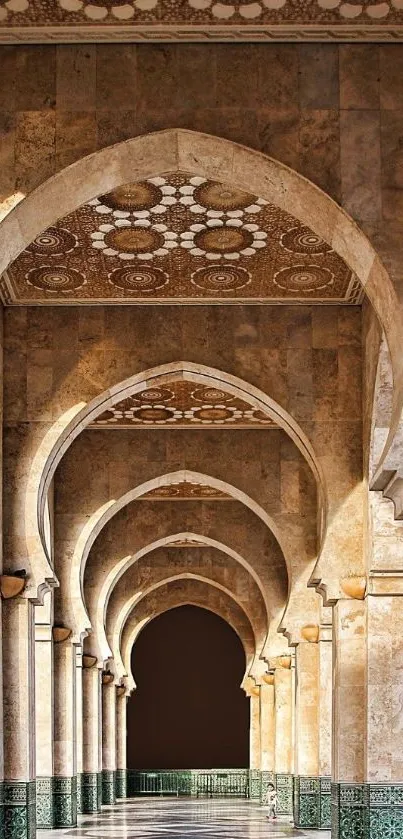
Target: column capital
column 385, row 584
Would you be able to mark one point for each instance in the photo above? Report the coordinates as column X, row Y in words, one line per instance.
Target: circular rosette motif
column 303, row 278
column 142, row 281
column 140, row 200
column 58, row 279
column 218, row 239
column 221, row 279
column 100, row 9
column 217, row 200
column 153, row 414
column 139, row 239
column 12, row 7
column 154, row 394
column 226, row 9
column 304, row 241
column 54, row 241
column 371, row 8
column 211, row 395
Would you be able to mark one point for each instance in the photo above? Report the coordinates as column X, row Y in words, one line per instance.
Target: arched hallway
column 201, row 213
column 156, row 818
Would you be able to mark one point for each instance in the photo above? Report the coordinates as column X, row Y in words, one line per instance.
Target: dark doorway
column 188, row 710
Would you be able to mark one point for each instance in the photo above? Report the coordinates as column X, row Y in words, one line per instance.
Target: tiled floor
column 159, row 818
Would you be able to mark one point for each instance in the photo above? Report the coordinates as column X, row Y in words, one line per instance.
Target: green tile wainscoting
column 91, row 783
column 312, row 802
column 1, row 808
column 121, row 783
column 44, row 803
column 367, row 811
column 108, row 787
column 284, row 787
column 19, row 809
column 79, row 793
column 254, row 784
column 64, row 801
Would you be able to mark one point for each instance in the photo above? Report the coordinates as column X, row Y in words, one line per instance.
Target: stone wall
column 332, row 112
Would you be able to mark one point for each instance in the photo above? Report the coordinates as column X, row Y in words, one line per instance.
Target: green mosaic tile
column 121, row 783
column 1, row 809
column 367, row 811
column 79, row 793
column 19, row 809
column 89, row 792
column 44, row 803
column 108, row 787
column 65, row 801
column 99, row 790
column 284, row 786
column 254, row 784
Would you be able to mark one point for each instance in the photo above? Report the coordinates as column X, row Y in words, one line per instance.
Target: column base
column 284, row 787
column 367, row 811
column 254, row 784
column 79, row 793
column 91, row 792
column 312, row 802
column 108, row 786
column 44, row 803
column 19, row 809
column 121, row 783
column 64, row 801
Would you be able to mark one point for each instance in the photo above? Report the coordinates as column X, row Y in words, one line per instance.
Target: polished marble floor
column 157, row 818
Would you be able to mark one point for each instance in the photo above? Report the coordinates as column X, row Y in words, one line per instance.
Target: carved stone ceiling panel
column 179, row 239
column 167, row 20
column 185, row 405
column 185, row 490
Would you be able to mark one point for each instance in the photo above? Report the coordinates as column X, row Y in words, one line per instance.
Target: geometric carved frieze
column 179, row 238
column 153, row 20
column 183, row 404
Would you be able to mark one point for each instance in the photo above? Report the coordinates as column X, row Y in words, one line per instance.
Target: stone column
column 384, row 700
column 306, row 780
column 283, row 748
column 65, row 768
column 254, row 742
column 19, row 719
column 121, row 736
column 325, row 718
column 267, row 733
column 44, row 681
column 349, row 794
column 79, row 725
column 91, row 791
column 108, row 739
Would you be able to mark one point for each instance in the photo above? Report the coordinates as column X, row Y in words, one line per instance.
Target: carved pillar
column 267, row 733
column 44, row 723
column 306, row 782
column 79, row 725
column 91, row 790
column 19, row 719
column 65, row 768
column 283, row 750
column 121, row 735
column 349, row 793
column 108, row 739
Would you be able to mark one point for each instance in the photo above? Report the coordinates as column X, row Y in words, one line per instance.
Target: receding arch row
column 234, row 165
column 82, row 622
column 111, row 581
column 69, row 426
column 196, row 591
